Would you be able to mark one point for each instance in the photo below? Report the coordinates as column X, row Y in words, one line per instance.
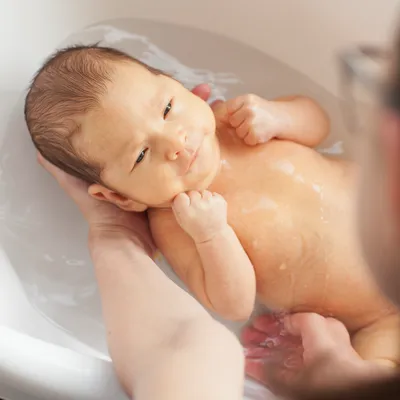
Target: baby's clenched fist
column 202, row 215
column 256, row 120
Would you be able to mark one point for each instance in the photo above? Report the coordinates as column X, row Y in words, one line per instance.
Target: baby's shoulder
column 167, row 233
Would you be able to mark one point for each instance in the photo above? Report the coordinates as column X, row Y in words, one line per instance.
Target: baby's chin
column 198, row 186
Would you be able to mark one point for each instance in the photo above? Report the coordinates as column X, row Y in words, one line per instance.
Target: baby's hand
column 255, row 120
column 201, row 215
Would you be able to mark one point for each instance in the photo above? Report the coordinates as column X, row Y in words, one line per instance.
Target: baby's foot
column 270, row 352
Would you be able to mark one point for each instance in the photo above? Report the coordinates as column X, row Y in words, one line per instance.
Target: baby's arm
column 164, row 345
column 295, row 118
column 211, row 260
column 310, row 123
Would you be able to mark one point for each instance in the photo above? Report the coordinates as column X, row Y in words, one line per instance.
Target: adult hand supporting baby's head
column 204, row 92
column 102, row 217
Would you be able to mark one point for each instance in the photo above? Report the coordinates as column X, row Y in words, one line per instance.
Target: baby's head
column 135, row 134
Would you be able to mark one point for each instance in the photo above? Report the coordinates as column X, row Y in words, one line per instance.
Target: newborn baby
column 239, row 202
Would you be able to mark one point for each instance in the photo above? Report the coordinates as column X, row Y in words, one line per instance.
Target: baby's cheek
column 176, row 187
column 209, row 124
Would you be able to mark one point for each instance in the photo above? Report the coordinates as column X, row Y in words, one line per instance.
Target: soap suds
column 336, row 148
column 76, row 263
column 284, row 166
column 263, row 204
column 316, row 188
column 48, row 258
column 225, row 164
column 299, row 179
column 283, row 267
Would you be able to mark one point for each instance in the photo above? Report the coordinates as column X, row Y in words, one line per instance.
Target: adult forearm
column 149, row 319
column 207, row 364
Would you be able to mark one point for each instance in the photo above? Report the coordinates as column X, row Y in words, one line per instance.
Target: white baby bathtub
column 52, row 342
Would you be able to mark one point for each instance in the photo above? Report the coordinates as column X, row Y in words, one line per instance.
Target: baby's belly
column 294, row 213
column 315, row 272
column 305, row 253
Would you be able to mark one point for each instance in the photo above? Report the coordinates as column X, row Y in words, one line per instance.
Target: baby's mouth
column 193, row 154
column 192, row 160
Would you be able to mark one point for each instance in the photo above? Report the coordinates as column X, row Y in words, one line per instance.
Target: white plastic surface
column 52, row 342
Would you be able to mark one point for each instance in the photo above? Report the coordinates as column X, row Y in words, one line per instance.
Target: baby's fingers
column 243, row 130
column 206, row 195
column 251, row 139
column 194, row 197
column 234, row 105
column 180, row 203
column 238, row 117
column 217, row 196
column 216, row 103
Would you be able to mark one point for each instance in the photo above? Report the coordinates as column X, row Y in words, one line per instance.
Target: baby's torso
column 292, row 210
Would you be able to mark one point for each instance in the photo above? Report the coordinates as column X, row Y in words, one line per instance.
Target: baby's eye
column 141, row 156
column 167, row 109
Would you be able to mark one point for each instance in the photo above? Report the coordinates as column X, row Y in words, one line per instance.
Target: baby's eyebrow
column 157, row 99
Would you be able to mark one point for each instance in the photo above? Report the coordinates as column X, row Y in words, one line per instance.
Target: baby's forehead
column 133, row 72
column 133, row 86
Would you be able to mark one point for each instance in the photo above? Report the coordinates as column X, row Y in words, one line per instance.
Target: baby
column 145, row 143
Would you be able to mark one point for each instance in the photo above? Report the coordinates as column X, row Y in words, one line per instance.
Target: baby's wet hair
column 70, row 83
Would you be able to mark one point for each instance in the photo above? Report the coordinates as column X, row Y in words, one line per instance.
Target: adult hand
column 304, row 352
column 328, row 356
column 100, row 215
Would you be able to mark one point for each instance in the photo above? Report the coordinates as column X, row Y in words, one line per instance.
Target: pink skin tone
column 304, row 349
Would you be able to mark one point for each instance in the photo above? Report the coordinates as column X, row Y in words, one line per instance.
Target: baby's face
column 153, row 138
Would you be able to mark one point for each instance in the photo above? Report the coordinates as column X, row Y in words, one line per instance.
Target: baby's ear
column 100, row 192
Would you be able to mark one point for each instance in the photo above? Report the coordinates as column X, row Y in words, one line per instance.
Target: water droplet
column 225, row 164
column 299, row 178
column 269, row 343
column 76, row 263
column 48, row 258
column 316, row 188
column 284, row 166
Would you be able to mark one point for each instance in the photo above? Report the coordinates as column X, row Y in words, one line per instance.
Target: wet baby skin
column 240, row 203
column 292, row 210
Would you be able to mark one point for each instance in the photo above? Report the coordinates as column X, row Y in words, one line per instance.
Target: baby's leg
column 380, row 341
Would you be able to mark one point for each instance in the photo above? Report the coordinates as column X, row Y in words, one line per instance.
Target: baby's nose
column 176, row 145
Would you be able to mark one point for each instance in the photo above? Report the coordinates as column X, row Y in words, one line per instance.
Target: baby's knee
column 380, row 341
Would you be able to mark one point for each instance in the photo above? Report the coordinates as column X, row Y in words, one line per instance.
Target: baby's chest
column 274, row 217
column 263, row 224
